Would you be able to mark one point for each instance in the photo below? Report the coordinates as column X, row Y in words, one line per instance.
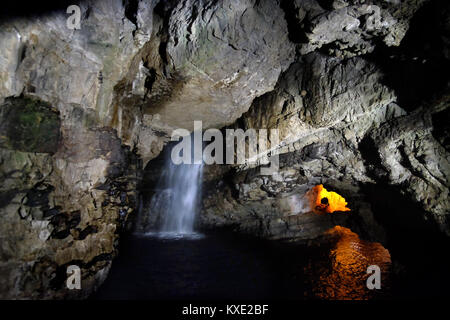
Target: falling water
column 177, row 199
column 184, row 182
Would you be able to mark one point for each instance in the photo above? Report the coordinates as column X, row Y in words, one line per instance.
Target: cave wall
column 114, row 91
column 347, row 124
column 346, row 132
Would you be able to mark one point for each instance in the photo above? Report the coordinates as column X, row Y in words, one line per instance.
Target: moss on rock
column 29, row 125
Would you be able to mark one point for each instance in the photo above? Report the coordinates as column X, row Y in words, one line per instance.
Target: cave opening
column 323, row 200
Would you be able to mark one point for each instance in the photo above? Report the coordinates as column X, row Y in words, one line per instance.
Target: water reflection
column 173, row 235
column 343, row 274
column 225, row 265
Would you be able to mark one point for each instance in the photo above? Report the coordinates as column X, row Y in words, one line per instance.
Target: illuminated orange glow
column 333, row 202
column 343, row 275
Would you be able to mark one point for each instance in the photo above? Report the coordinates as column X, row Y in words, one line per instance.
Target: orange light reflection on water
column 343, row 276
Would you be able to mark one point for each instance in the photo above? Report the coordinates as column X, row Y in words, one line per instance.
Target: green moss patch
column 29, row 125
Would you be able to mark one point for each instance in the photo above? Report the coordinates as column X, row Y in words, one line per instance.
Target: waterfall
column 177, row 198
column 183, row 188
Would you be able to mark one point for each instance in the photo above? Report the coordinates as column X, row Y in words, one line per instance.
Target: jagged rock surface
column 340, row 126
column 346, row 28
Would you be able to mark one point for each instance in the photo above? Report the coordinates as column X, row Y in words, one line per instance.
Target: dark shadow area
column 418, row 70
column 417, row 246
column 295, row 32
column 131, row 8
column 441, row 128
column 18, row 9
column 152, row 170
column 371, row 158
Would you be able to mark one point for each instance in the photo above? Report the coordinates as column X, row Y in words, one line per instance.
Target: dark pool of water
column 229, row 266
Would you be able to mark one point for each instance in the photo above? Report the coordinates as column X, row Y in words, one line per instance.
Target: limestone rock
column 345, row 28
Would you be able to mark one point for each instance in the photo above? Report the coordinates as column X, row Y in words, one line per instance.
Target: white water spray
column 177, row 199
